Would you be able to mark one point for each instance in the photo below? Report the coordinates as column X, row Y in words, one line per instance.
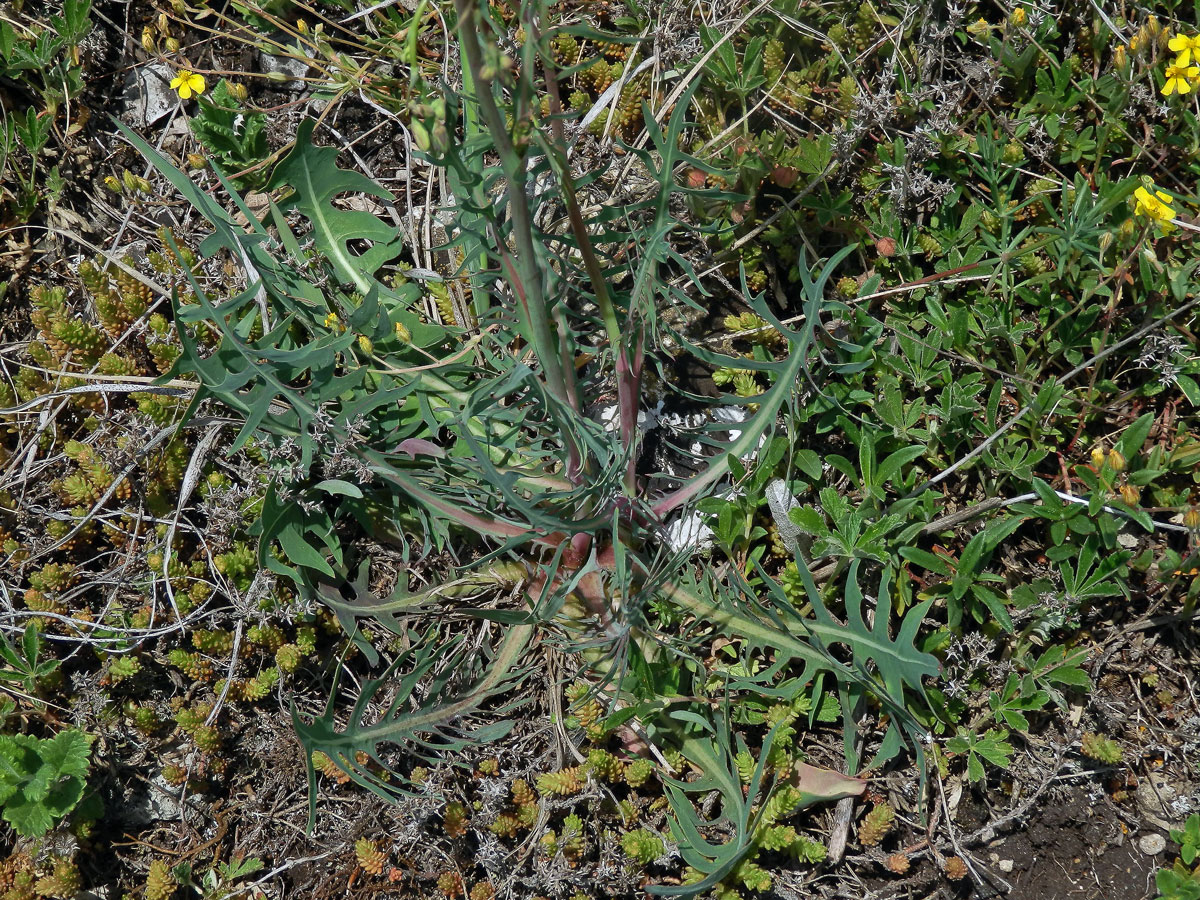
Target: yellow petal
column 185, row 91
column 176, row 82
column 1178, row 43
column 197, row 83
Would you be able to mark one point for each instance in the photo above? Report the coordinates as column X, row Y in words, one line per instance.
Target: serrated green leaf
column 974, row 768
column 67, row 753
column 28, row 818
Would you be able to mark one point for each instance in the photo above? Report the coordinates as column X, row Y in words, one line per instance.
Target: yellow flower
column 187, row 83
column 332, row 321
column 1157, row 205
column 1178, row 79
column 979, row 28
column 1185, row 47
column 1018, row 17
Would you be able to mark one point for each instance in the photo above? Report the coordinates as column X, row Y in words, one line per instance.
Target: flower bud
column 130, row 180
column 196, row 160
column 1098, row 455
column 1191, row 518
column 163, row 23
column 172, row 45
column 1019, row 16
column 403, row 334
column 1130, row 494
column 112, row 183
column 147, row 39
column 1120, row 58
column 302, row 26
column 1116, row 461
column 365, row 345
column 238, row 91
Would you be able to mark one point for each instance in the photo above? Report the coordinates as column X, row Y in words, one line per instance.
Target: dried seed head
column 956, row 868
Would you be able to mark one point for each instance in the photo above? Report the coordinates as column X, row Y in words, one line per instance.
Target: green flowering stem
column 523, row 271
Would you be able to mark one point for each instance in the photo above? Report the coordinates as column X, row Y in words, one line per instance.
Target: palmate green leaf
column 41, row 779
column 436, row 663
column 68, row 752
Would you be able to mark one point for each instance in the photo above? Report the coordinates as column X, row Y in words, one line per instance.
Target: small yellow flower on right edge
column 1179, row 79
column 1185, row 46
column 1156, row 206
column 1180, row 75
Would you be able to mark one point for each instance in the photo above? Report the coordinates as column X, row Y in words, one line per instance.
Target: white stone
column 148, row 94
column 286, row 65
column 688, row 533
column 1152, row 844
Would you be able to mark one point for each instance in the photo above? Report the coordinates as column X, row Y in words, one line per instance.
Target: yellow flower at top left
column 187, row 83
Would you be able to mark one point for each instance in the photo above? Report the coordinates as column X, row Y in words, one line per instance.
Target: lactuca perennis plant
column 477, row 433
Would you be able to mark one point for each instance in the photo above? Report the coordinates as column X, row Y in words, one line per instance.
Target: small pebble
column 1152, row 844
column 1005, row 865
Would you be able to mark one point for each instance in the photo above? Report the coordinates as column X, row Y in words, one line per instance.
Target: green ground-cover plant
column 27, row 666
column 42, row 779
column 42, row 61
column 1181, row 881
column 233, row 137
